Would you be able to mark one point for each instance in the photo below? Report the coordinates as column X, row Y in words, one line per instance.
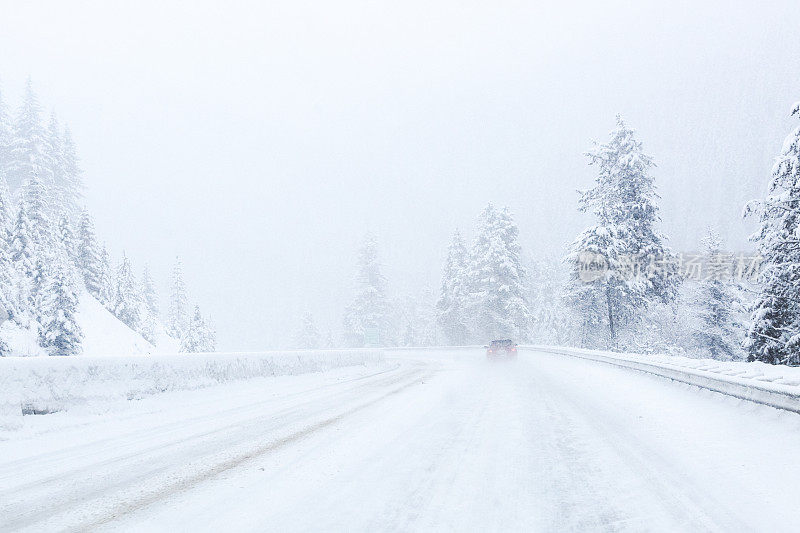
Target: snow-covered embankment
column 37, row 385
column 776, row 386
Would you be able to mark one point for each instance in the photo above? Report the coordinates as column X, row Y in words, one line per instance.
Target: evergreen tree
column 107, row 287
column 452, row 305
column 70, row 184
column 28, row 152
column 177, row 321
column 150, row 307
column 496, row 281
column 68, row 240
column 149, row 295
column 370, row 311
column 66, row 187
column 8, row 283
column 774, row 332
column 715, row 326
column 59, row 331
column 8, row 273
column 32, row 233
column 550, row 321
column 418, row 319
column 198, row 336
column 7, row 211
column 210, row 335
column 31, row 247
column 38, row 284
column 307, row 336
column 127, row 300
column 600, row 291
column 5, row 140
column 148, row 327
column 54, row 151
column 88, row 257
column 635, row 267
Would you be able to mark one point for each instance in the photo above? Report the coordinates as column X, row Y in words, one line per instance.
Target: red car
column 502, row 348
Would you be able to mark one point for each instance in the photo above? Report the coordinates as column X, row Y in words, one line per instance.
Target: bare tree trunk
column 610, row 317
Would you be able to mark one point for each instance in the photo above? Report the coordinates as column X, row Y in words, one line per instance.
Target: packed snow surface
column 424, row 441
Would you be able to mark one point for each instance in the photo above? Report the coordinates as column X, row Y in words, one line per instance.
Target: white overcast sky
column 260, row 140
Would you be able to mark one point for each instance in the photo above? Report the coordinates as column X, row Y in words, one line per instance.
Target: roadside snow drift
column 40, row 385
column 774, row 385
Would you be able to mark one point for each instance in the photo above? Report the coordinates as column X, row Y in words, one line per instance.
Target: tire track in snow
column 31, row 503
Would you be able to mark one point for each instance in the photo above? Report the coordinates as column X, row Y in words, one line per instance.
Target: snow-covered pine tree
column 598, row 291
column 210, row 335
column 714, row 324
column 370, row 310
column 7, row 212
column 497, row 304
column 199, row 336
column 28, row 153
column 8, row 289
column 88, row 257
column 150, row 307
column 31, row 246
column 419, row 316
column 59, row 332
column 70, row 183
column 637, row 267
column 32, row 233
column 192, row 339
column 38, row 284
column 149, row 292
column 5, row 139
column 148, row 327
column 127, row 300
column 514, row 277
column 66, row 189
column 8, row 274
column 307, row 337
column 177, row 320
column 107, row 286
column 549, row 317
column 54, row 149
column 67, row 239
column 452, row 305
column 774, row 332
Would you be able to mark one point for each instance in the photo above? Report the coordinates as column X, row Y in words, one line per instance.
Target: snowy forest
column 618, row 285
column 57, row 280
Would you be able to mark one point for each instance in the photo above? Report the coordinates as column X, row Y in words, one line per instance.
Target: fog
column 260, row 141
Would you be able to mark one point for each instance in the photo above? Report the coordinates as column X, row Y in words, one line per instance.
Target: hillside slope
column 103, row 335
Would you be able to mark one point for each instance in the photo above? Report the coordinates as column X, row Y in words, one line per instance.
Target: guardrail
column 751, row 386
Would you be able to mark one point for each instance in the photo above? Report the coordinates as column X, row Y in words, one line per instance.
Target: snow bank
column 40, row 385
column 776, row 386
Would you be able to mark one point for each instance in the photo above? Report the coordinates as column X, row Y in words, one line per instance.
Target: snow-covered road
column 428, row 441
